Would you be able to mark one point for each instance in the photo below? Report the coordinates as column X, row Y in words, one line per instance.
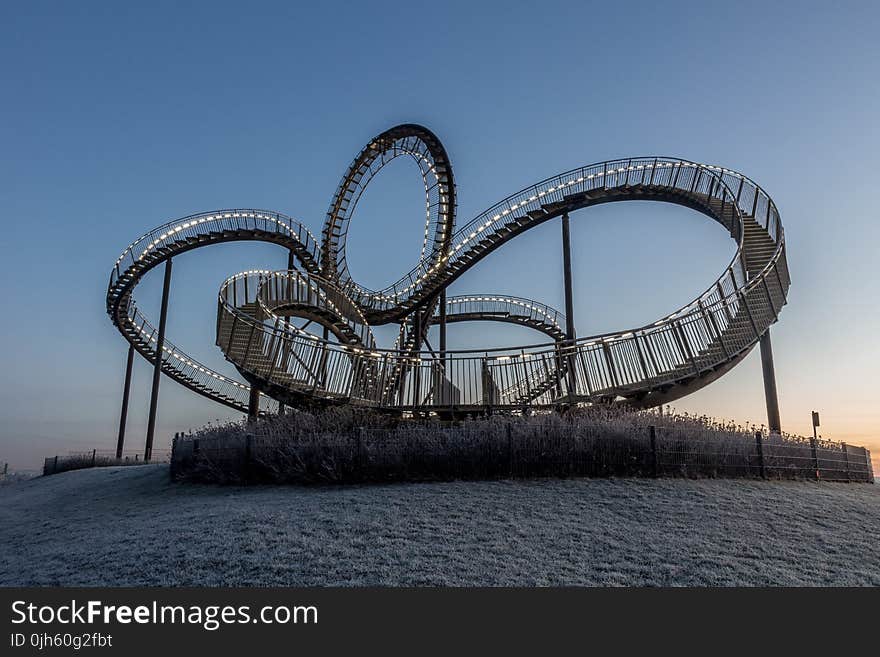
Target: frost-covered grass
column 69, row 462
column 17, row 477
column 132, row 526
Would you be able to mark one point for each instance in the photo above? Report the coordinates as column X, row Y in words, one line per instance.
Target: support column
column 326, row 336
column 254, row 403
column 443, row 329
column 290, row 265
column 441, row 392
column 569, row 301
column 770, row 384
column 566, row 267
column 126, row 390
column 157, row 366
column 417, row 367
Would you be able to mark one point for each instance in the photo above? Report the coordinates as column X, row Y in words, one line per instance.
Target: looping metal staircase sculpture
column 642, row 367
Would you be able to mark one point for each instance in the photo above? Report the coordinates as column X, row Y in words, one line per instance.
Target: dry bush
column 351, row 445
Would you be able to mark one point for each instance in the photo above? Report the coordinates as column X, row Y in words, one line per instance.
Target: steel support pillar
column 254, row 403
column 157, row 366
column 126, row 390
column 770, row 384
column 326, row 336
column 569, row 300
column 417, row 367
column 442, row 345
column 290, row 265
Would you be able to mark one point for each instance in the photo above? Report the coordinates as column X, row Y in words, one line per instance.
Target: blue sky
column 116, row 118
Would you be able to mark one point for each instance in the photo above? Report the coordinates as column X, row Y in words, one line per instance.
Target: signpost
column 813, row 444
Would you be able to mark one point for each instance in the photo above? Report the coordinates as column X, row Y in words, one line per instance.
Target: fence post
column 846, row 461
column 55, row 465
column 359, row 446
column 815, row 455
column 94, row 453
column 759, row 443
column 172, row 467
column 510, row 449
column 248, row 453
column 5, row 469
column 655, row 461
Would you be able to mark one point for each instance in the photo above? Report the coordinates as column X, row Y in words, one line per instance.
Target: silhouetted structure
column 286, row 365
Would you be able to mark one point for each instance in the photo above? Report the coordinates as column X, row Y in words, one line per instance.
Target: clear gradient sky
column 116, row 118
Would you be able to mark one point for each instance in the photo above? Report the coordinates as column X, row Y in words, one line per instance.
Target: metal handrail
column 652, row 337
column 254, row 308
column 182, row 234
column 692, row 307
column 192, row 225
column 531, row 197
column 678, row 339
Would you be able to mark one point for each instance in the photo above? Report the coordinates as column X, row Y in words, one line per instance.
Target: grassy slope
column 130, row 526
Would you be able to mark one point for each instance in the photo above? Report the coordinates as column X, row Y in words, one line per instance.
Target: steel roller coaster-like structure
column 285, row 365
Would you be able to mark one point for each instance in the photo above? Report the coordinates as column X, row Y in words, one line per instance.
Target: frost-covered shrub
column 346, row 445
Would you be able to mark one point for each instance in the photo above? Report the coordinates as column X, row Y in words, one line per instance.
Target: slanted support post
column 126, row 391
column 157, row 366
column 770, row 384
column 569, row 301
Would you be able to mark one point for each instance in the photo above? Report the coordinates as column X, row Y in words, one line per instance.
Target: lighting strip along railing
column 274, row 290
column 429, row 154
column 716, row 328
column 673, row 174
column 186, row 369
column 476, row 304
column 198, row 225
column 181, row 234
column 712, row 331
column 602, row 365
column 433, row 199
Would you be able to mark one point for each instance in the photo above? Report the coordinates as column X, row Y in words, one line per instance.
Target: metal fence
column 98, row 458
column 512, row 450
column 9, row 475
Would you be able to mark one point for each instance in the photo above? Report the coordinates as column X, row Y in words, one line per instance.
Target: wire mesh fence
column 98, row 458
column 10, row 475
column 507, row 448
